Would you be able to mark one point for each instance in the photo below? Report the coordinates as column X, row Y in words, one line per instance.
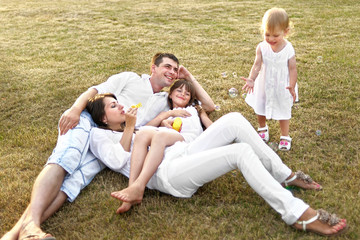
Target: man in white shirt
column 71, row 167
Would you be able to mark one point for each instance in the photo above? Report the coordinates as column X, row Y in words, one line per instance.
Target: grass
column 52, row 51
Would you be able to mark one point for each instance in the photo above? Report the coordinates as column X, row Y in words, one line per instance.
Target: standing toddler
column 272, row 79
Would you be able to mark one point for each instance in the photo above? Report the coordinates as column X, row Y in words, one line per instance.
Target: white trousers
column 232, row 143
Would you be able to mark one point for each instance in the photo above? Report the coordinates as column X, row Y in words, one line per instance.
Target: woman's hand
column 167, row 123
column 130, row 117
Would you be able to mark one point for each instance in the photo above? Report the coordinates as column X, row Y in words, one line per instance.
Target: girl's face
column 180, row 97
column 276, row 38
column 114, row 113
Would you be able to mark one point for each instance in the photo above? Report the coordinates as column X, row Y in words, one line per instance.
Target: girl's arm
column 292, row 76
column 206, row 102
column 206, row 121
column 249, row 86
column 130, row 120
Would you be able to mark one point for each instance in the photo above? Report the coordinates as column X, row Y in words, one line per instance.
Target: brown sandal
column 303, row 177
column 327, row 218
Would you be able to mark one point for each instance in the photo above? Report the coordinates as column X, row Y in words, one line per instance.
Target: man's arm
column 206, row 102
column 71, row 117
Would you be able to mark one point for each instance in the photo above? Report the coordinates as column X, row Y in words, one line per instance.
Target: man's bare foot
column 301, row 180
column 29, row 230
column 324, row 224
column 132, row 194
column 124, row 207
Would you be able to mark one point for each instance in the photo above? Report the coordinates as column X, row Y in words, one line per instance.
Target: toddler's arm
column 292, row 77
column 249, row 85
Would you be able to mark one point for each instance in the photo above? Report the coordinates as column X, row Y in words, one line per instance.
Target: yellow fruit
column 177, row 124
column 136, row 106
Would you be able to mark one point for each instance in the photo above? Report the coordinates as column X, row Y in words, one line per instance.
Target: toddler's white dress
column 270, row 97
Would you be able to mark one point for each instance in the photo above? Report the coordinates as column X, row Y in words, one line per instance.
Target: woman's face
column 114, row 112
column 180, row 97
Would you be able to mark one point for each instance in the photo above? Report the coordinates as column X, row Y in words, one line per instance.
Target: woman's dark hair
column 179, row 84
column 96, row 108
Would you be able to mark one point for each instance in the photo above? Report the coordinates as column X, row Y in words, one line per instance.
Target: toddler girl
column 272, row 80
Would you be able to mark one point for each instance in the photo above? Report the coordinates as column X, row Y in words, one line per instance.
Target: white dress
column 270, row 97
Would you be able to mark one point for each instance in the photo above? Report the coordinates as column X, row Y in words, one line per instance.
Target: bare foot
column 124, row 207
column 10, row 236
column 303, row 181
column 132, row 194
column 318, row 226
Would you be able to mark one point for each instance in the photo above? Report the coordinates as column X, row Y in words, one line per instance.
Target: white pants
column 212, row 155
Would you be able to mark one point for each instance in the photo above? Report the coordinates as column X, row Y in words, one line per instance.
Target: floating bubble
column 273, row 146
column 224, row 74
column 233, row 92
column 234, row 74
column 217, row 108
column 244, row 95
column 319, row 59
column 318, row 132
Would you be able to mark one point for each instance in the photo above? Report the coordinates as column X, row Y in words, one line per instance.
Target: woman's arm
column 156, row 122
column 130, row 120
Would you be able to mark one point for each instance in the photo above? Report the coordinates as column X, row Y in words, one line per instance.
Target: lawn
column 52, row 51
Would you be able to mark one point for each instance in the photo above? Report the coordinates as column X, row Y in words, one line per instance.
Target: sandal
column 285, row 143
column 45, row 236
column 264, row 135
column 327, row 218
column 303, row 177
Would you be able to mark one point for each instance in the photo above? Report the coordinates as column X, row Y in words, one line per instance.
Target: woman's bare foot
column 132, row 194
column 29, row 230
column 301, row 180
column 325, row 224
column 125, row 206
column 10, row 236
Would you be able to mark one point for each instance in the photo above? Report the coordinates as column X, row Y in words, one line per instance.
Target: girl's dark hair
column 189, row 87
column 96, row 108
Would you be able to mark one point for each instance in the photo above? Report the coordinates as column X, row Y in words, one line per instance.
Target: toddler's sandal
column 285, row 143
column 264, row 135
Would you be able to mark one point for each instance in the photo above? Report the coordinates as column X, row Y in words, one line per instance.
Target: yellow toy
column 177, row 124
column 136, row 106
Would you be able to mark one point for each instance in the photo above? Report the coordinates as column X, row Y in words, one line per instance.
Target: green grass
column 52, row 51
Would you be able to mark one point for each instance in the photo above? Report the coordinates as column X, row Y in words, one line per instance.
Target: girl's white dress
column 270, row 97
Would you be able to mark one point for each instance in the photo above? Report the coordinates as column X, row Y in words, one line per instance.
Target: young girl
column 272, row 80
column 144, row 163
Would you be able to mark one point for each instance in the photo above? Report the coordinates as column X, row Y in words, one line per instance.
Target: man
column 71, row 167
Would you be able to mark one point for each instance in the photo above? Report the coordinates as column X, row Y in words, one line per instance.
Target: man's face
column 166, row 73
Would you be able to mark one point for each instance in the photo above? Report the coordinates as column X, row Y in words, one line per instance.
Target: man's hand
column 179, row 113
column 69, row 120
column 185, row 74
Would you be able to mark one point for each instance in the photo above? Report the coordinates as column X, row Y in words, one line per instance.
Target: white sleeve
column 116, row 83
column 105, row 145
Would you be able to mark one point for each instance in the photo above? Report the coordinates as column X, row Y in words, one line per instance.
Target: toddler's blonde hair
column 275, row 18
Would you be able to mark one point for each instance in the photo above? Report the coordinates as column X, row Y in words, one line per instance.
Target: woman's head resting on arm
column 181, row 94
column 106, row 111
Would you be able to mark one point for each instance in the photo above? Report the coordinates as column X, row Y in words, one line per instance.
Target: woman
column 229, row 143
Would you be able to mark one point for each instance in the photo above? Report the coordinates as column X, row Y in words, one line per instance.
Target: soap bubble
column 273, row 146
column 319, row 59
column 217, row 108
column 244, row 95
column 224, row 74
column 234, row 74
column 233, row 92
column 318, row 132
